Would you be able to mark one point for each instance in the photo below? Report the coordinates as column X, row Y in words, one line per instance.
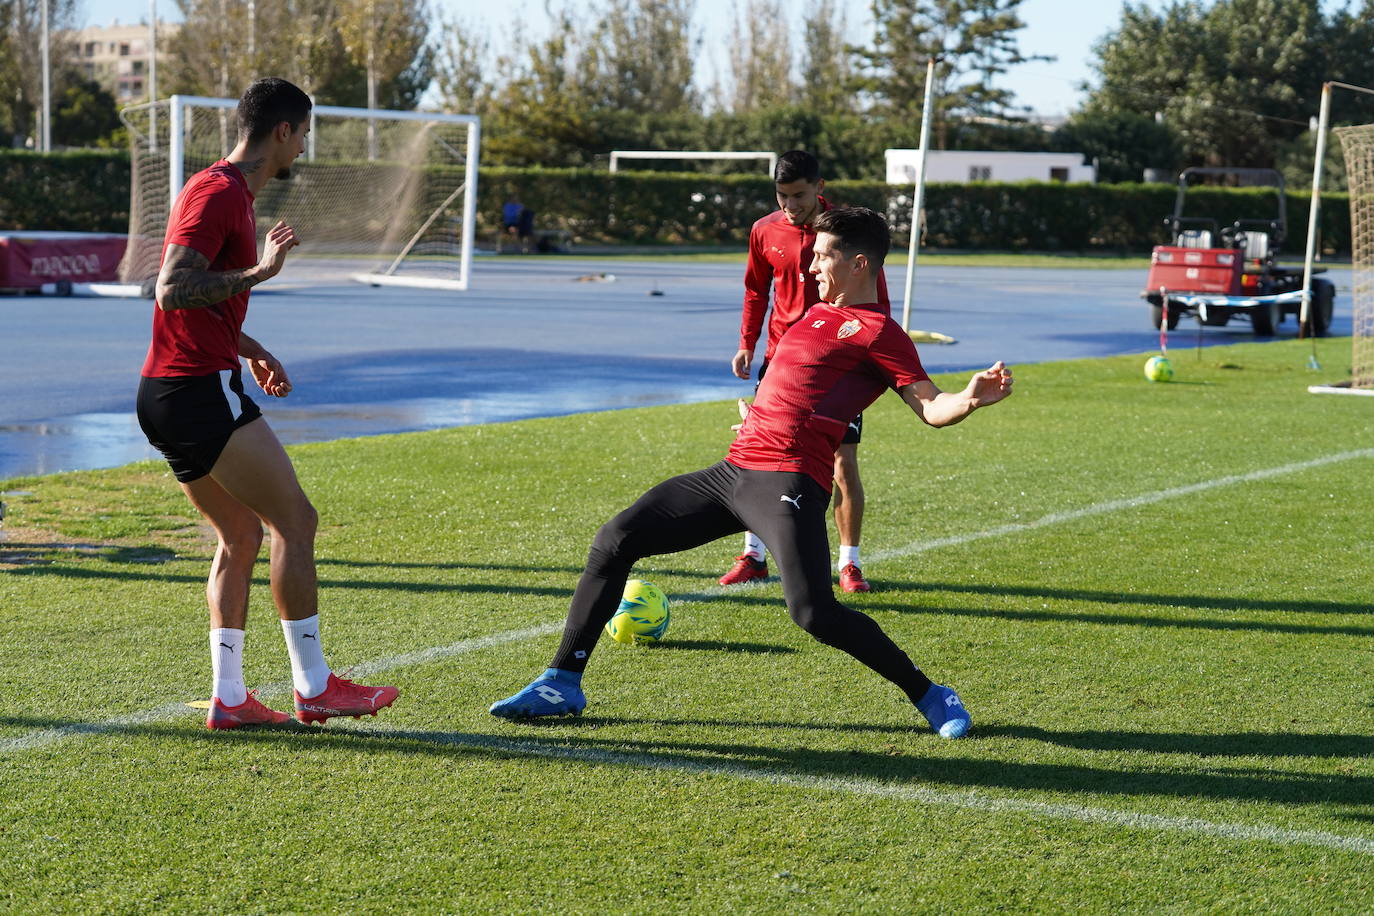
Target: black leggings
column 786, row 509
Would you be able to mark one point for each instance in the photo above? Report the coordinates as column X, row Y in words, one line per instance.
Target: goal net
column 1358, row 146
column 383, row 197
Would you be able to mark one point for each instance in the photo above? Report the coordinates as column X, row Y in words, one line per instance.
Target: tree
column 535, row 111
column 85, row 115
column 826, row 77
column 639, row 57
column 1296, row 158
column 208, row 55
column 223, row 45
column 389, row 40
column 9, row 75
column 462, row 63
column 1123, row 143
column 760, row 57
column 21, row 68
column 1234, row 81
column 620, row 76
column 974, row 41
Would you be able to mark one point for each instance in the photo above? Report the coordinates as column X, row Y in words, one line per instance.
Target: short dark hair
column 267, row 103
column 796, row 165
column 859, row 230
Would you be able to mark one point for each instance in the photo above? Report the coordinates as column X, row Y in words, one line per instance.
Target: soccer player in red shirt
column 193, row 408
column 776, row 478
column 780, row 250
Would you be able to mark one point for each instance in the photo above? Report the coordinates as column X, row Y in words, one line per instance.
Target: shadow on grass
column 97, row 574
column 1242, row 744
column 40, row 552
column 903, row 761
column 864, row 602
column 144, row 556
column 1205, row 602
column 507, row 567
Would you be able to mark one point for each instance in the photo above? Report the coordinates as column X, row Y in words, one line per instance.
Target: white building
column 960, row 166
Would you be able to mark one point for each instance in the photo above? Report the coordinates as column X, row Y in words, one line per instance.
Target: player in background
column 780, row 249
column 193, row 408
column 777, row 476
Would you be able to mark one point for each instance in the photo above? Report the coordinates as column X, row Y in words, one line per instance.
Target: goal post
column 381, row 197
column 620, row 154
column 1357, row 144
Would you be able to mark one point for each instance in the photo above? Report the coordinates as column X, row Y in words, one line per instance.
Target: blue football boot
column 556, row 692
column 945, row 712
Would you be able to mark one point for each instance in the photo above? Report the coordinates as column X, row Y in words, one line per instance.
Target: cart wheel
column 1157, row 313
column 1323, row 304
column 1266, row 319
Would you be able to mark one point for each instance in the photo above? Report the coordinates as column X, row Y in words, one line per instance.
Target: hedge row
column 80, row 191
column 89, row 191
column 654, row 207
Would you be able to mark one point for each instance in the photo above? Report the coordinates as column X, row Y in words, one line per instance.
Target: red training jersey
column 214, row 215
column 780, row 256
column 825, row 371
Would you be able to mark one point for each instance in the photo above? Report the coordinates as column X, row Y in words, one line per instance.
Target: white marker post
column 918, row 195
column 45, row 127
column 1313, row 212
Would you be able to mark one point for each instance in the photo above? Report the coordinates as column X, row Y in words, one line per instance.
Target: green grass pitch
column 1155, row 599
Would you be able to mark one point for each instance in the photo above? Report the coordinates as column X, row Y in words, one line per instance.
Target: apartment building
column 116, row 56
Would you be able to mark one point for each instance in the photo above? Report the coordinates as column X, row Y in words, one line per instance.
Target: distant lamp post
column 152, row 75
column 45, row 134
column 152, row 50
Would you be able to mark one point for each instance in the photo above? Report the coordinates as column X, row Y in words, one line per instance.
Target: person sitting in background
column 517, row 220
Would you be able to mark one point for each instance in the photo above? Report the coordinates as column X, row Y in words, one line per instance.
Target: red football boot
column 747, row 568
column 344, row 698
column 852, row 579
column 249, row 712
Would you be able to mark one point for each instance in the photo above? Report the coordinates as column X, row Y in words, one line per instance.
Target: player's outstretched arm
column 267, row 370
column 945, row 408
column 187, row 282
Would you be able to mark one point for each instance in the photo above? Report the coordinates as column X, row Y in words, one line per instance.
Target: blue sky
column 1065, row 29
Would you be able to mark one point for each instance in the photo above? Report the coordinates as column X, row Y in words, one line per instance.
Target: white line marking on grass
column 966, row 799
column 46, row 736
column 1115, row 505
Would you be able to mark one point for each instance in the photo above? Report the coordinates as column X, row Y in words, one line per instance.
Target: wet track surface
column 531, row 338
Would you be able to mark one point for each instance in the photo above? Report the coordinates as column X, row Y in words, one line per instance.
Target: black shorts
column 853, row 434
column 190, row 418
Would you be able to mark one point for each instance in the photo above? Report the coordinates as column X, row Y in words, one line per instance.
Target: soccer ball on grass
column 1158, row 369
column 642, row 616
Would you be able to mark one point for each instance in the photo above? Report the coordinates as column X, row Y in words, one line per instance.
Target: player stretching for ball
column 776, row 478
column 193, row 408
column 780, row 249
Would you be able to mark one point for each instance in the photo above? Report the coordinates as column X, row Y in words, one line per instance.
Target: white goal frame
column 180, row 104
column 1323, row 129
column 619, row 154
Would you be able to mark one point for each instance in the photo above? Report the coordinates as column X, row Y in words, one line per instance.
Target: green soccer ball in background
column 1158, row 369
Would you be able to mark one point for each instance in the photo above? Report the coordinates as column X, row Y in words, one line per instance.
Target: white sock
column 848, row 555
column 226, row 662
column 753, row 546
column 309, row 671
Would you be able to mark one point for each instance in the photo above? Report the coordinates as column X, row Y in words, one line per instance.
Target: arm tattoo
column 186, row 281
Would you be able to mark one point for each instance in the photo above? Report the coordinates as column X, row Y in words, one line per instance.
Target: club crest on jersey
column 848, row 329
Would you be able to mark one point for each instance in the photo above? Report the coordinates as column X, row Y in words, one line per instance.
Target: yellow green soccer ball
column 1158, row 369
column 642, row 616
